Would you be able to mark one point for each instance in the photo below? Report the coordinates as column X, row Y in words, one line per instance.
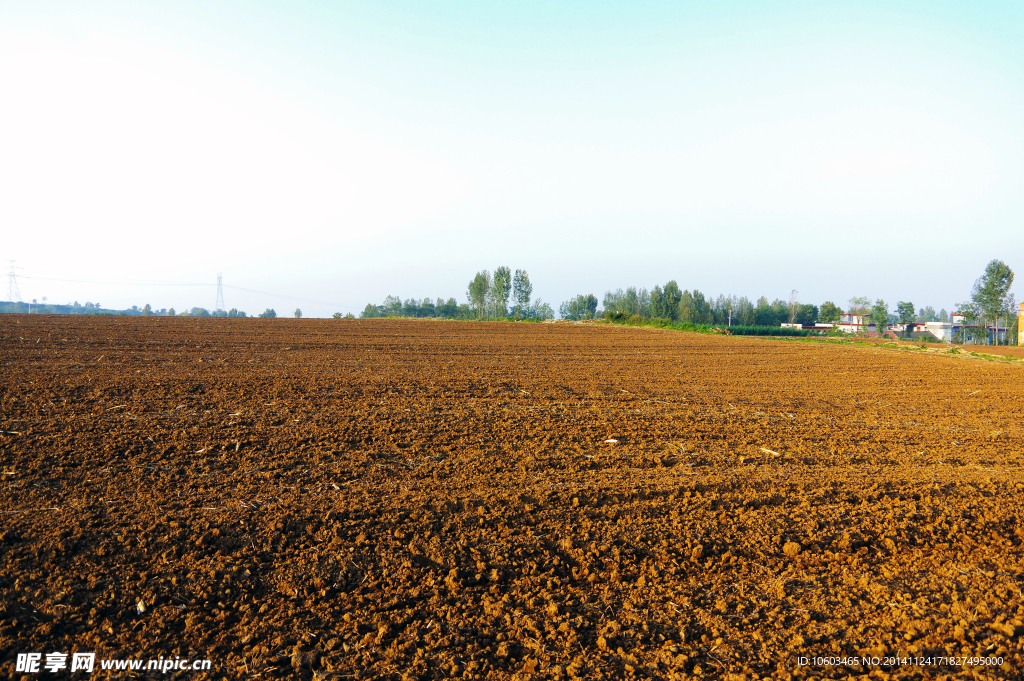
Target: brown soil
column 401, row 499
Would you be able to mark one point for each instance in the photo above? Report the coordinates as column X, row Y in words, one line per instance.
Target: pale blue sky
column 341, row 152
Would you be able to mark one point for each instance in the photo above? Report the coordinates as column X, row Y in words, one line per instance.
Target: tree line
column 673, row 304
column 90, row 308
column 504, row 294
column 501, row 295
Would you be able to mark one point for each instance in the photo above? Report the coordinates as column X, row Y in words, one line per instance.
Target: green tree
column 501, row 288
column 477, row 291
column 905, row 311
column 990, row 291
column 391, row 307
column 269, row 313
column 830, row 313
column 665, row 301
column 807, row 315
column 613, row 301
column 298, row 313
column 170, row 312
column 522, row 289
column 859, row 305
column 643, row 302
column 720, row 310
column 147, row 310
column 657, row 303
column 580, row 307
column 743, row 312
column 781, row 309
column 764, row 315
column 540, row 310
column 693, row 307
column 448, row 309
column 971, row 314
column 880, row 316
column 673, row 296
column 927, row 314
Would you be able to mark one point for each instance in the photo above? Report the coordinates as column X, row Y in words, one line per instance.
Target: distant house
column 942, row 331
column 956, row 329
column 976, row 333
column 857, row 323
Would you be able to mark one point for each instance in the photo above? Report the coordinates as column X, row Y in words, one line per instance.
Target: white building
column 857, row 323
column 953, row 330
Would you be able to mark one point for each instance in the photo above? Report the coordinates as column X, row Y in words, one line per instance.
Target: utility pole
column 13, row 292
column 220, row 293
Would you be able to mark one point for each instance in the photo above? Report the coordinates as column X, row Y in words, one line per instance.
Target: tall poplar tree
column 990, row 291
column 477, row 291
column 522, row 289
column 501, row 288
column 880, row 316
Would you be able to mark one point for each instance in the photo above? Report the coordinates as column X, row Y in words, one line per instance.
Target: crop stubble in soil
column 403, row 499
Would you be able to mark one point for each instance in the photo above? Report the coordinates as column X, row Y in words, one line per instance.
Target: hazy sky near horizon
column 339, row 152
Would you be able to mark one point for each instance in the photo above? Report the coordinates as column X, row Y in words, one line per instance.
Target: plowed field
column 401, row 499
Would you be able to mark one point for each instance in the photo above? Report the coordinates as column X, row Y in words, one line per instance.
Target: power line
column 13, row 292
column 220, row 293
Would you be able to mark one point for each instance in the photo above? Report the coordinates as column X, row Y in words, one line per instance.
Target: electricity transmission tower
column 220, row 292
column 13, row 292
